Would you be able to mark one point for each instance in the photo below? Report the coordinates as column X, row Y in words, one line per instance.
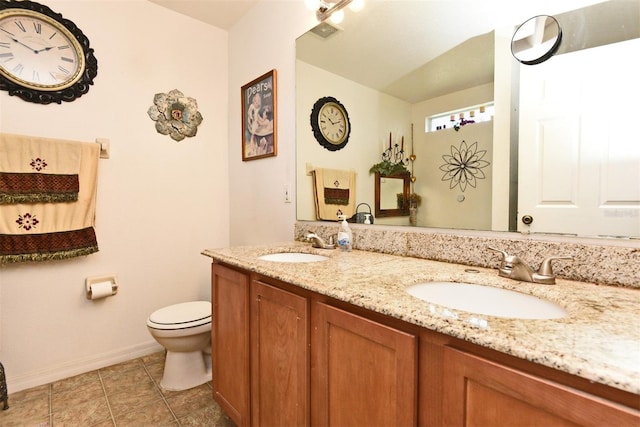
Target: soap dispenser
column 345, row 236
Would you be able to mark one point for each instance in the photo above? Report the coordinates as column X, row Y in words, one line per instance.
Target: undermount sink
column 487, row 300
column 293, row 257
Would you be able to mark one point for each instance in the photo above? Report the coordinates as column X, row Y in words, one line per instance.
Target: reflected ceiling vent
column 325, row 29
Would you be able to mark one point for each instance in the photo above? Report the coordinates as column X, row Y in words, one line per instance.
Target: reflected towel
column 45, row 231
column 34, row 169
column 335, row 193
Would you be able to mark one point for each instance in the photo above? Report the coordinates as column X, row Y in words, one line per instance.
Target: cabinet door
column 479, row 392
column 279, row 361
column 230, row 342
column 363, row 373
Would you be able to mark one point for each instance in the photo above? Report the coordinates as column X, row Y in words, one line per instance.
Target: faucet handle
column 505, row 255
column 506, row 266
column 546, row 269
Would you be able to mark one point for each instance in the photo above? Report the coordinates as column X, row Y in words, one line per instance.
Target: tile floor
column 126, row 394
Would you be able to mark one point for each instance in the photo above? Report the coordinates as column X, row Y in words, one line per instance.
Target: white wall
column 262, row 41
column 160, row 202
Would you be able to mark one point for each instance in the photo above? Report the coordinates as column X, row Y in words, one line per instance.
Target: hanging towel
column 335, row 193
column 34, row 169
column 46, row 231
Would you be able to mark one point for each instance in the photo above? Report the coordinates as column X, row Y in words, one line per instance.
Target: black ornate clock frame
column 315, row 126
column 70, row 93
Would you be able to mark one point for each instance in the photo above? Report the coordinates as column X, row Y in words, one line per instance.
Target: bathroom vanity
column 341, row 342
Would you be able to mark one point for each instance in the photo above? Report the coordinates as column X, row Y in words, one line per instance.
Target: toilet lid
column 186, row 314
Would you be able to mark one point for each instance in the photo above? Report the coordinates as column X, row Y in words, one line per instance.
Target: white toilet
column 185, row 331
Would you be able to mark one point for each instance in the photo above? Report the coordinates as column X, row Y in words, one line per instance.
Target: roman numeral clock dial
column 44, row 57
column 330, row 123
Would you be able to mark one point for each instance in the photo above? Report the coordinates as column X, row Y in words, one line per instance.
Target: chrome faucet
column 515, row 268
column 318, row 242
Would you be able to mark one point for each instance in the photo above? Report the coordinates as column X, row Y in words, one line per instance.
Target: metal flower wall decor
column 175, row 115
column 464, row 166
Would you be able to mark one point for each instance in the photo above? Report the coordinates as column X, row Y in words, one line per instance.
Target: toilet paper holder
column 90, row 281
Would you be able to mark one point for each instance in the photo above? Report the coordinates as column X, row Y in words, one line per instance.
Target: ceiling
column 418, row 49
column 219, row 13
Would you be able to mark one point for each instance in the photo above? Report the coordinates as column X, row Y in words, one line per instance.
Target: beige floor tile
column 119, row 368
column 31, row 411
column 194, row 399
column 84, row 414
column 14, row 420
column 132, row 396
column 130, row 380
column 153, row 358
column 73, row 383
column 29, row 394
column 83, row 393
column 211, row 416
column 151, row 414
column 156, row 370
column 107, row 423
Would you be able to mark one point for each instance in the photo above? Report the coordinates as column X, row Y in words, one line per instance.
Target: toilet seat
column 181, row 316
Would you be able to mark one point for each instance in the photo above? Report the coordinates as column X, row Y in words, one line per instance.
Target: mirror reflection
column 462, row 52
column 536, row 40
column 392, row 195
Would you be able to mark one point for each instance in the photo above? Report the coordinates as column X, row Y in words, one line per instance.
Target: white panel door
column 579, row 156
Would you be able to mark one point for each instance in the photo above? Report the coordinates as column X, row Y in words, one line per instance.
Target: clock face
column 38, row 52
column 330, row 123
column 333, row 122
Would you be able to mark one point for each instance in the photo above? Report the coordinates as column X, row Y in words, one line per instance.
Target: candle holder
column 395, row 155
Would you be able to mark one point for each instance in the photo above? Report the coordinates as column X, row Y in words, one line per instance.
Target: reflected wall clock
column 44, row 57
column 330, row 123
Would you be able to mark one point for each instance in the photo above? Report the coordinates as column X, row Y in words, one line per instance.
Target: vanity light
column 325, row 10
column 337, row 16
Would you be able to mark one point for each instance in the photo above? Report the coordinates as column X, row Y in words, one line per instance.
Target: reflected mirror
column 536, row 40
column 392, row 195
column 398, row 65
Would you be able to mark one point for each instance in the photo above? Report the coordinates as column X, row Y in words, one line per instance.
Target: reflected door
column 579, row 158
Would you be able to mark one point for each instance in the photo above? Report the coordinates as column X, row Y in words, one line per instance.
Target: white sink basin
column 293, row 257
column 487, row 300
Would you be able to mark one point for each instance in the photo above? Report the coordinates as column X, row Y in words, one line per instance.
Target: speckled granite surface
column 598, row 340
column 602, row 261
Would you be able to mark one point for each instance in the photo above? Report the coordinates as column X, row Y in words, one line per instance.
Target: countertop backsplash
column 605, row 261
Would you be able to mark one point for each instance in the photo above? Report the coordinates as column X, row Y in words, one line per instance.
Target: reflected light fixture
column 326, row 10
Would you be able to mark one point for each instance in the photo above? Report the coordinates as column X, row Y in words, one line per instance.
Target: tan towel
column 45, row 231
column 34, row 169
column 335, row 193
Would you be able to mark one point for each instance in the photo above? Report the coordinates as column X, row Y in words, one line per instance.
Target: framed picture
column 259, row 104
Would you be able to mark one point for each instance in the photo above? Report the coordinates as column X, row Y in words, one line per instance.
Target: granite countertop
column 598, row 340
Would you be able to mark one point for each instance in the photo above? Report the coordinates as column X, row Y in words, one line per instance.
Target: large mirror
column 397, row 65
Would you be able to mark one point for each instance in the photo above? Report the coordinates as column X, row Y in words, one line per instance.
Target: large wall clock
column 330, row 123
column 44, row 57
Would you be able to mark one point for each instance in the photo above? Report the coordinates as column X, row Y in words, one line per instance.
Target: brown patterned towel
column 335, row 190
column 46, row 231
column 35, row 170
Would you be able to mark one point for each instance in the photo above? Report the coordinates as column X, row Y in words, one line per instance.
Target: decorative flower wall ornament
column 175, row 114
column 464, row 166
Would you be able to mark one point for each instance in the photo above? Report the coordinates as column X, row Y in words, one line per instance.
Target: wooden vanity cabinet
column 279, row 357
column 363, row 373
column 230, row 341
column 286, row 356
column 481, row 392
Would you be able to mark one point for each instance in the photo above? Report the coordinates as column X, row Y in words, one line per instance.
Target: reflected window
column 460, row 117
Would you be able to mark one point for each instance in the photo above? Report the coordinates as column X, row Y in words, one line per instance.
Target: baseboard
column 79, row 366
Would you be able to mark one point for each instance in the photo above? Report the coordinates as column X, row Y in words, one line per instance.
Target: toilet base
column 183, row 370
